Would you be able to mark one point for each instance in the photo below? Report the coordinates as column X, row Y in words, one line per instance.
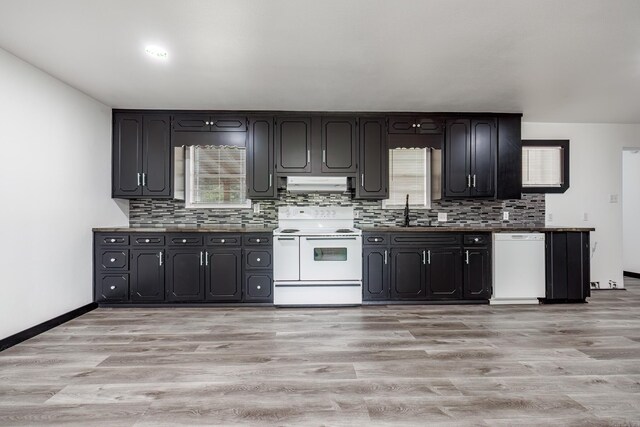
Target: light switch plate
column 505, row 215
column 442, row 217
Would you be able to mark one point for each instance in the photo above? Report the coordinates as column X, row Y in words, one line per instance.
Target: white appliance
column 518, row 268
column 317, row 257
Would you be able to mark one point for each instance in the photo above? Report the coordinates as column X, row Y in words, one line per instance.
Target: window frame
column 428, row 205
column 564, row 145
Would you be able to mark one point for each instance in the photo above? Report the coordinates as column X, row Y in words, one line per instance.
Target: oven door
column 331, row 258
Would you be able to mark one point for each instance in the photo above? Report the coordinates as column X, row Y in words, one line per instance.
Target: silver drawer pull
column 113, row 240
column 112, row 287
column 112, row 260
column 258, row 259
column 222, row 241
column 258, row 287
column 184, row 240
column 146, row 240
column 257, row 240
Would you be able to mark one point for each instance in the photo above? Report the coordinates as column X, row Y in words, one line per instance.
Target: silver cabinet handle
column 112, row 260
column 308, row 156
column 257, row 259
column 270, row 180
column 385, row 257
column 139, row 179
column 324, row 156
column 207, row 123
column 257, row 240
column 418, row 125
column 258, row 287
column 221, row 240
column 112, row 287
column 144, row 179
column 206, row 258
column 428, row 257
column 113, row 240
column 413, row 125
column 469, row 181
column 474, row 180
column 184, row 240
column 423, row 257
column 467, row 257
column 362, row 180
column 160, row 258
column 201, row 256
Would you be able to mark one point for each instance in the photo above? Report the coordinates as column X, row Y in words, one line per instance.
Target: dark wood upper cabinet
column 339, row 144
column 470, row 157
column 509, row 165
column 192, row 123
column 372, row 181
column 147, row 281
column 260, row 164
column 127, row 155
column 141, row 156
column 185, row 275
column 477, row 273
column 415, row 125
column 223, row 274
column 156, row 156
column 293, row 145
column 567, row 266
column 407, row 274
column 444, row 273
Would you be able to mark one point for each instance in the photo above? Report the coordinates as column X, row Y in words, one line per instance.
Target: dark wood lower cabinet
column 185, row 275
column 443, row 273
column 477, row 273
column 375, row 274
column 568, row 266
column 407, row 274
column 224, row 274
column 147, row 275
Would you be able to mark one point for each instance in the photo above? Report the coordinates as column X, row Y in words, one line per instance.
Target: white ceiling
column 554, row 60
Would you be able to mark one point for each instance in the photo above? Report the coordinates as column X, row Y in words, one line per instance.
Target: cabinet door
column 228, row 124
column 339, row 141
column 147, row 282
column 156, row 156
column 185, row 275
column 127, row 155
column 258, row 287
column 429, row 126
column 192, row 123
column 260, row 159
column 402, row 125
column 373, row 177
column 483, row 157
column 375, row 275
column 293, row 144
column 444, row 273
column 407, row 274
column 477, row 273
column 457, row 158
column 568, row 266
column 223, row 278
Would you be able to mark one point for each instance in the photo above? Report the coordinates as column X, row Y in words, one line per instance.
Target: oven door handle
column 330, row 238
column 286, row 238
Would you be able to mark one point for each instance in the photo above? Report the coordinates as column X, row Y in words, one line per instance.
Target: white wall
column 54, row 187
column 596, row 174
column 631, row 210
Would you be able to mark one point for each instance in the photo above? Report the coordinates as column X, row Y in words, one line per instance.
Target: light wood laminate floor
column 377, row 365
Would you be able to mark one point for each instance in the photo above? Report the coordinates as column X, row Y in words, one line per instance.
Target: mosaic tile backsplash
column 529, row 211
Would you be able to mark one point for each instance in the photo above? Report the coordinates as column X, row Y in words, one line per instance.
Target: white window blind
column 217, row 176
column 542, row 166
column 409, row 173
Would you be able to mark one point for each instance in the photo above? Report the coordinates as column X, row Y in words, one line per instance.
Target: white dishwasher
column 518, row 268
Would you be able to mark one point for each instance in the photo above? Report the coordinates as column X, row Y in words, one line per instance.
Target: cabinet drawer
column 113, row 240
column 258, row 259
column 114, row 259
column 224, row 240
column 148, row 240
column 258, row 287
column 375, row 239
column 441, row 239
column 229, row 124
column 257, row 240
column 477, row 239
column 113, row 287
column 185, row 240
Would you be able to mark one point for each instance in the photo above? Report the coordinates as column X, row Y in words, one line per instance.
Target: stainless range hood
column 317, row 184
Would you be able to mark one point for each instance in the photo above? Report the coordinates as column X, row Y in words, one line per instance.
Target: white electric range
column 317, row 257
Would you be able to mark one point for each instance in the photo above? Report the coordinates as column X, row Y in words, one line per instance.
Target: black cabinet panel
column 223, row 240
column 402, row 125
column 113, row 240
column 113, row 287
column 114, row 259
column 258, row 287
column 457, row 174
column 228, row 124
column 429, row 126
column 567, row 266
column 127, row 155
column 260, row 164
column 147, row 276
column 156, row 156
column 148, row 240
column 263, row 239
column 185, row 275
column 192, row 239
column 293, row 144
column 477, row 273
column 373, row 179
column 509, row 164
column 483, row 157
column 192, row 123
column 444, row 273
column 407, row 273
column 257, row 259
column 427, row 239
column 339, row 144
column 375, row 277
column 223, row 276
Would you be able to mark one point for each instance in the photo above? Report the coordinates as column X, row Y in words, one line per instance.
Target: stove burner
column 344, row 230
column 289, row 230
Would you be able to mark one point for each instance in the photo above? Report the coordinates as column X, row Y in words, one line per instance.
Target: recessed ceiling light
column 156, row 52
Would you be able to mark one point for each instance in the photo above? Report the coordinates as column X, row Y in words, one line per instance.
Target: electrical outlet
column 549, row 216
column 585, row 216
column 613, row 198
column 356, row 214
column 442, row 217
column 505, row 215
column 256, row 208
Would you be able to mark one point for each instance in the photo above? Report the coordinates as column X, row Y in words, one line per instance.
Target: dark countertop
column 474, row 229
column 185, row 229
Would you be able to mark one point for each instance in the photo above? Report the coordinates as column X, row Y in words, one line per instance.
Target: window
column 216, row 177
column 409, row 173
column 545, row 166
